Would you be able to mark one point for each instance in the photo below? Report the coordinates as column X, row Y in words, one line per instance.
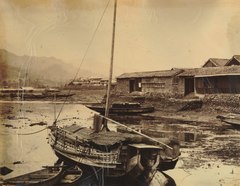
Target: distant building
column 95, row 81
column 88, row 82
column 164, row 81
column 104, row 82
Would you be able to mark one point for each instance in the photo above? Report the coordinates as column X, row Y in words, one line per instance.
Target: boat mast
column 111, row 65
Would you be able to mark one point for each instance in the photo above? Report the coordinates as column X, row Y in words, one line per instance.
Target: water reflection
column 159, row 128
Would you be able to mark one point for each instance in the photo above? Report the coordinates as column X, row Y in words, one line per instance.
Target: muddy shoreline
column 210, row 149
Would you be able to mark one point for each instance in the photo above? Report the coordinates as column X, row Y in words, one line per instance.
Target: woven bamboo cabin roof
column 102, row 138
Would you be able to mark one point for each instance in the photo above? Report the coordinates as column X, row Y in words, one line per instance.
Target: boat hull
column 45, row 177
column 116, row 170
column 129, row 111
column 232, row 119
column 233, row 122
column 71, row 176
column 118, row 154
column 82, row 156
column 167, row 165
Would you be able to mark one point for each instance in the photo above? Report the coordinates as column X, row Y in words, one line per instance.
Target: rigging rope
column 146, row 136
column 85, row 54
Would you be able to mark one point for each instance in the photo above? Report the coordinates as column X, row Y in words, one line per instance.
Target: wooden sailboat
column 117, row 153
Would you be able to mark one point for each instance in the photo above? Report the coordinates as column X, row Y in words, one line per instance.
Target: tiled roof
column 236, row 57
column 217, row 61
column 162, row 73
column 211, row 71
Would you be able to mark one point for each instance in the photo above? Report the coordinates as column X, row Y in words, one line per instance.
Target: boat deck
column 102, row 137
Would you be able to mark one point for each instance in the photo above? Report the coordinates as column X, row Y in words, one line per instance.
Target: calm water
column 210, row 153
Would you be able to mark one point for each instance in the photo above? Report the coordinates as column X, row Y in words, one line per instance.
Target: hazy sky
column 150, row 34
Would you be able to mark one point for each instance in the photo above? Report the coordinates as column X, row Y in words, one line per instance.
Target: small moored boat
column 71, row 176
column 123, row 108
column 48, row 176
column 231, row 118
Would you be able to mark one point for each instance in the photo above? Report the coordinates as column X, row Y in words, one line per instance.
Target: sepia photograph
column 119, row 92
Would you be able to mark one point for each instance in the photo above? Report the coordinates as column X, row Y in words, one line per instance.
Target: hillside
column 48, row 70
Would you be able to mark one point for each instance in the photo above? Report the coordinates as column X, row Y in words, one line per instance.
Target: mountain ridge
column 50, row 71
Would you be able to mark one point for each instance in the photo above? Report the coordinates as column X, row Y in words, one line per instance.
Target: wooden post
column 64, row 137
column 76, row 144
